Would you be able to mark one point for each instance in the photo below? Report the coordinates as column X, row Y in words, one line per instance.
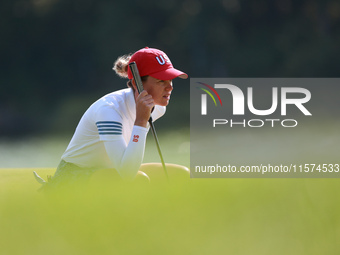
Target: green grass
column 201, row 216
column 195, row 216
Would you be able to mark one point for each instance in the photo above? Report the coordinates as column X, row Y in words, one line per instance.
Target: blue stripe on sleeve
column 109, row 123
column 105, row 126
column 109, row 128
column 110, row 133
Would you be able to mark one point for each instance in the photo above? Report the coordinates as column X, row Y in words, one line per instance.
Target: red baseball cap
column 155, row 63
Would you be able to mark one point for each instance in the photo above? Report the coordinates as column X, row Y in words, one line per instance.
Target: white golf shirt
column 106, row 136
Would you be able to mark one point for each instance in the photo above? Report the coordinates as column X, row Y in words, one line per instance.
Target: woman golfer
column 112, row 132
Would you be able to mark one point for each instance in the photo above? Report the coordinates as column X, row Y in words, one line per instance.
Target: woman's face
column 160, row 90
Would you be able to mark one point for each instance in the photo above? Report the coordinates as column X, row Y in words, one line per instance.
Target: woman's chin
column 164, row 102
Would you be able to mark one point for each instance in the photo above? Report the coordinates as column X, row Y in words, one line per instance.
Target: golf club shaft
column 139, row 84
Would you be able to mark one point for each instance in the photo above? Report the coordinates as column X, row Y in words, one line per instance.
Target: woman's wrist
column 141, row 123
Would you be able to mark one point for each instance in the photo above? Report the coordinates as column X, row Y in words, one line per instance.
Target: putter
column 139, row 84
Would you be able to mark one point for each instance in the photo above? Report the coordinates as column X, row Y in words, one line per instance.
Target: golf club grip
column 138, row 80
column 136, row 76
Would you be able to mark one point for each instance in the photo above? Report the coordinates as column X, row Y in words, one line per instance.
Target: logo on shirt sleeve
column 135, row 138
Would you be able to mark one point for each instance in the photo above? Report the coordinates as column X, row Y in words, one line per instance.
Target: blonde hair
column 121, row 65
column 121, row 68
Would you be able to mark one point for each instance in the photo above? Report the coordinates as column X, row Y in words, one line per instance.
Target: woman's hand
column 144, row 105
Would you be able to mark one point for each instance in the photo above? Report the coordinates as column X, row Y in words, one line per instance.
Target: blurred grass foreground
column 196, row 216
column 193, row 216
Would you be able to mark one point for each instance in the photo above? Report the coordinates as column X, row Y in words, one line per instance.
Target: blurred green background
column 56, row 55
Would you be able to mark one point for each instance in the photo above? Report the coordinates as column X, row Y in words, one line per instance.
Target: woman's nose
column 168, row 85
